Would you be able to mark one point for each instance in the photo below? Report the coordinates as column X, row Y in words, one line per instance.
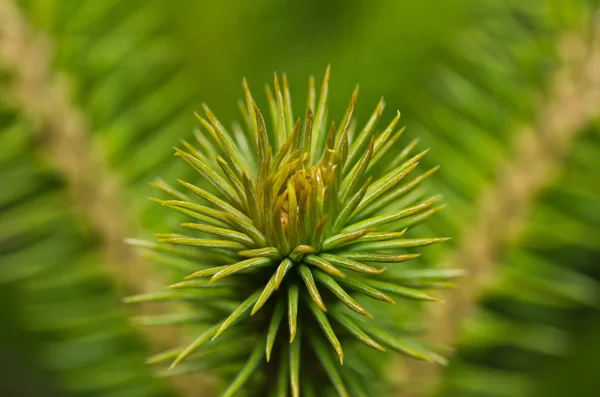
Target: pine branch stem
column 538, row 154
column 63, row 136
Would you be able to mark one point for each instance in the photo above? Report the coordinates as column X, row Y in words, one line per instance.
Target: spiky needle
column 292, row 222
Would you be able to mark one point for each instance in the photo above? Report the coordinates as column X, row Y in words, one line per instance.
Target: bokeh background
column 94, row 94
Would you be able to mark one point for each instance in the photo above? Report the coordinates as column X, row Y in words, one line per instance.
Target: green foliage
column 546, row 282
column 545, row 293
column 468, row 77
column 53, row 282
column 297, row 208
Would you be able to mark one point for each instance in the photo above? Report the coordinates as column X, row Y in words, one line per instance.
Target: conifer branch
column 63, row 136
column 538, row 154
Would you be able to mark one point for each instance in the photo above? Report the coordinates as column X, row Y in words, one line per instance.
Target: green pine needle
column 300, row 225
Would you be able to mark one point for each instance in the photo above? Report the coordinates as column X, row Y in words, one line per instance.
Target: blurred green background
column 94, row 94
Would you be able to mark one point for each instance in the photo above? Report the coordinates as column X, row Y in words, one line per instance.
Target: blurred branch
column 537, row 155
column 63, row 135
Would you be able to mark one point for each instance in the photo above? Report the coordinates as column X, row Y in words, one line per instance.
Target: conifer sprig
column 299, row 221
